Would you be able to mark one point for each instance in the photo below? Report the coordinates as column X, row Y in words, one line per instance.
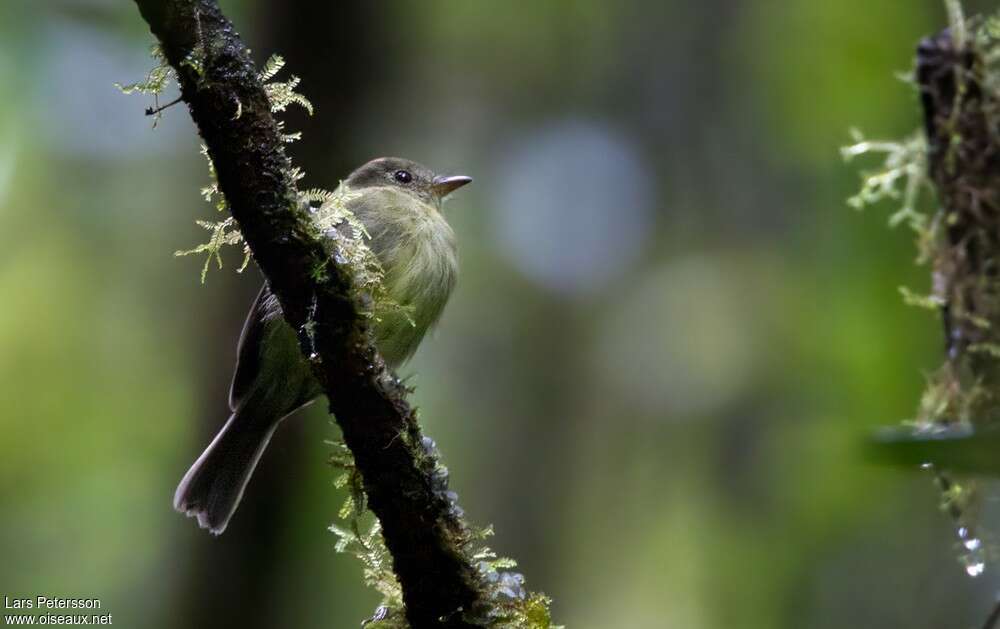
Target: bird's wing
column 248, row 350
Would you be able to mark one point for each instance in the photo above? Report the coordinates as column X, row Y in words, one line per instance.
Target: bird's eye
column 402, row 176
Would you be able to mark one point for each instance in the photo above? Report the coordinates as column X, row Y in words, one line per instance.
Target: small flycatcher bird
column 399, row 203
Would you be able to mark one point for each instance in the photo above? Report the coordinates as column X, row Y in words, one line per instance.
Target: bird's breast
column 416, row 248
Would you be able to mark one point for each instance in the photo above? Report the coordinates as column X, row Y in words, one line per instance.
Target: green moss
column 224, row 233
column 157, row 80
column 901, row 177
column 281, row 94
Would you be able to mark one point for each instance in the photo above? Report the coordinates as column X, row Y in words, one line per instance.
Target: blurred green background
column 668, row 342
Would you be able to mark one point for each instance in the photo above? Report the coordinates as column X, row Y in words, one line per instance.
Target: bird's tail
column 211, row 490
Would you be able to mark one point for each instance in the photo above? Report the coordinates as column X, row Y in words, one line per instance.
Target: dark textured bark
column 963, row 147
column 421, row 525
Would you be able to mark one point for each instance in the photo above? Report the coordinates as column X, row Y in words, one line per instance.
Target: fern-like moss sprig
column 156, row 82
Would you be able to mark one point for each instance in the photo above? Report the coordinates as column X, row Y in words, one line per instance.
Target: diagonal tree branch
column 421, row 524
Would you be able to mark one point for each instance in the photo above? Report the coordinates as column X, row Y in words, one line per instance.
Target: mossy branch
column 420, row 522
column 957, row 155
column 958, row 78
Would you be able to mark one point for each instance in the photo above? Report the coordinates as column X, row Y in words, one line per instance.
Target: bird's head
column 407, row 176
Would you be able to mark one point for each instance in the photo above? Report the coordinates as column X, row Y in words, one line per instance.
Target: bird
column 399, row 202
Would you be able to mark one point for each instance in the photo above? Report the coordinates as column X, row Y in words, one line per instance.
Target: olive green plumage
column 399, row 203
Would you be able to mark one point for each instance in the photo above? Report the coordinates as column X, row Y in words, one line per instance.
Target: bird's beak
column 443, row 186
